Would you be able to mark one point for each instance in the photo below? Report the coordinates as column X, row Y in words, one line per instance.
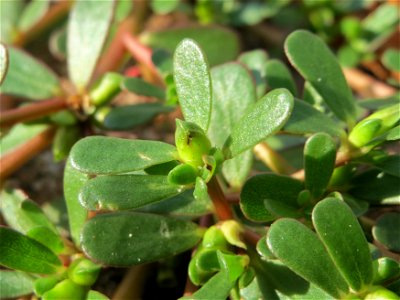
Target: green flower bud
column 385, row 268
column 105, row 89
column 215, row 238
column 100, row 115
column 83, row 271
column 364, row 132
column 182, row 174
column 381, row 294
column 191, row 142
column 66, row 289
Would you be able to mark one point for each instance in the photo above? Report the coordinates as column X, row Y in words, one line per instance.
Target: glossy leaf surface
column 319, row 162
column 91, row 155
column 345, row 241
column 140, row 87
column 36, row 258
column 193, row 83
column 38, row 81
column 88, row 26
column 301, row 250
column 255, row 61
column 264, row 118
column 141, row 238
column 278, row 76
column 386, row 231
column 3, row 62
column 126, row 191
column 263, row 192
column 233, row 93
column 218, row 43
column 318, row 65
column 14, row 284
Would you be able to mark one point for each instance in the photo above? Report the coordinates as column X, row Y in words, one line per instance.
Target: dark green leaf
column 344, row 240
column 317, row 64
column 255, row 61
column 386, row 231
column 391, row 59
column 307, row 119
column 140, row 87
column 25, row 254
column 3, row 62
column 262, row 119
column 129, row 116
column 88, row 26
column 73, row 182
column 218, row 43
column 390, row 165
column 301, row 250
column 164, row 7
column 32, row 13
column 10, row 12
column 15, row 284
column 262, row 190
column 141, row 238
column 193, row 83
column 319, row 162
column 278, row 76
column 106, row 155
column 38, row 81
column 233, row 93
column 65, row 138
column 126, row 191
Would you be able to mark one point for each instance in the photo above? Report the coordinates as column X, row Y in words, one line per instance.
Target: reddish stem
column 32, row 111
column 13, row 161
column 221, row 205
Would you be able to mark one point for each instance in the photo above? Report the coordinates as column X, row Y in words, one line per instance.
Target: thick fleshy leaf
column 318, row 65
column 95, row 295
column 301, row 250
column 126, row 191
column 391, row 58
column 381, row 21
column 39, row 82
column 140, row 87
column 256, row 61
column 233, row 93
column 164, row 7
column 32, row 13
column 88, row 26
column 3, row 62
column 14, row 284
column 193, row 83
column 218, row 43
column 278, row 76
column 386, row 231
column 10, row 12
column 319, row 162
column 65, row 138
column 106, row 155
column 345, row 241
column 262, row 119
column 22, row 253
column 73, row 182
column 390, row 165
column 129, row 116
column 47, row 237
column 141, row 238
column 22, row 214
column 307, row 119
column 263, row 192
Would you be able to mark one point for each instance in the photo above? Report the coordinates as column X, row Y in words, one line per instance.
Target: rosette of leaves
column 38, row 258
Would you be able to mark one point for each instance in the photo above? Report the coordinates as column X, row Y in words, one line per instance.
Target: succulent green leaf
column 307, row 119
column 32, row 13
column 218, row 43
column 105, row 89
column 22, row 253
column 193, row 83
column 381, row 20
column 88, row 25
column 141, row 238
column 65, row 138
column 3, row 62
column 393, row 134
column 47, row 237
column 386, row 231
column 262, row 119
column 10, row 12
column 106, row 155
column 73, row 182
column 385, row 268
column 164, row 7
column 390, row 165
column 44, row 284
column 66, row 289
column 345, row 241
column 140, row 87
column 391, row 59
column 129, row 116
column 263, row 192
column 319, row 162
column 182, row 174
column 14, row 284
column 279, row 76
column 255, row 61
column 38, row 80
column 126, row 191
column 82, row 271
column 95, row 295
column 301, row 250
column 318, row 65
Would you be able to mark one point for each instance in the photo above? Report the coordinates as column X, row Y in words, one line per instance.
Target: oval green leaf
column 22, row 253
column 317, row 64
column 140, row 87
column 14, row 284
column 345, row 241
column 264, row 118
column 193, row 83
column 106, row 155
column 88, row 26
column 301, row 250
column 319, row 162
column 141, row 238
column 279, row 76
column 386, row 231
column 32, row 13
